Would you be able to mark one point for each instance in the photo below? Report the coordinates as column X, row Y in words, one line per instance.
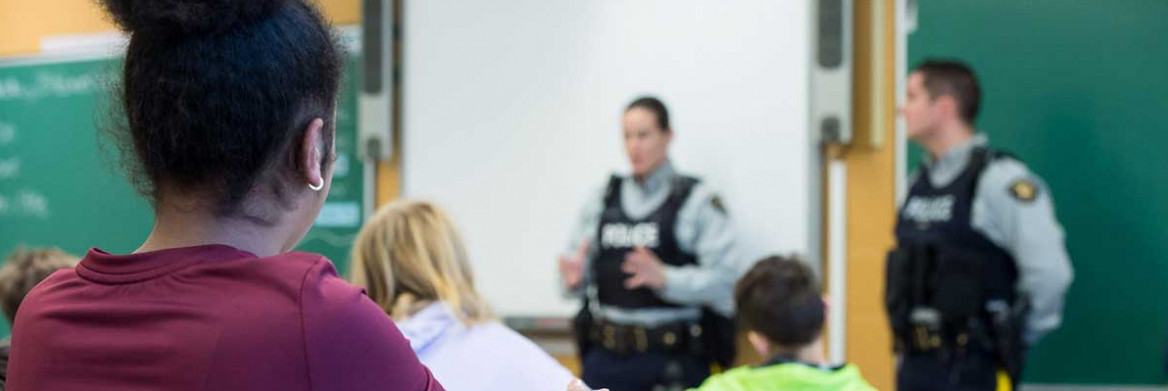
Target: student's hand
column 646, row 268
column 572, row 268
column 577, row 385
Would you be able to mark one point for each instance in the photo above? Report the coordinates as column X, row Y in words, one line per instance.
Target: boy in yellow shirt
column 780, row 307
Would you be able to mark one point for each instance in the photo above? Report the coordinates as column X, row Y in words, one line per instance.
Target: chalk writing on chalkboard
column 329, row 238
column 341, row 169
column 33, row 204
column 47, row 84
column 339, row 214
column 7, row 134
column 25, row 203
column 9, row 168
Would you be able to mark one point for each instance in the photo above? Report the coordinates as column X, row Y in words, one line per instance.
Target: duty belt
column 676, row 338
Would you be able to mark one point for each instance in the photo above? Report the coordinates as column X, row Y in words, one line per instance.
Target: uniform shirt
column 788, row 377
column 703, row 229
column 480, row 357
column 1013, row 208
column 207, row 318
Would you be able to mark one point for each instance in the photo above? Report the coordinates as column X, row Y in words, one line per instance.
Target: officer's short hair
column 23, row 270
column 779, row 298
column 956, row 79
column 654, row 105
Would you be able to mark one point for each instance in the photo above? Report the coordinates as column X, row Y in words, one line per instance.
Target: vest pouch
column 958, row 277
column 897, row 289
column 583, row 325
column 719, row 341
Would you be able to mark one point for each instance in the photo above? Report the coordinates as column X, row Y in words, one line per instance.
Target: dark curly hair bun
column 216, row 95
column 189, row 17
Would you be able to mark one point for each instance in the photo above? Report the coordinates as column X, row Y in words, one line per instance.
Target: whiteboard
column 512, row 111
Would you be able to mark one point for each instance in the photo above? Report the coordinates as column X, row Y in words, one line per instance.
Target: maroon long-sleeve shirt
column 207, row 318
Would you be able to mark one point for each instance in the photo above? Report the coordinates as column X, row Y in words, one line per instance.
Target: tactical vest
column 618, row 234
column 943, row 265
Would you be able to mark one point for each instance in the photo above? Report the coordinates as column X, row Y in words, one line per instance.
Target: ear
column 759, row 343
column 947, row 105
column 312, row 154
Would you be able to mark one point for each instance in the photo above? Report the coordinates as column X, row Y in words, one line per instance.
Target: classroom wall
column 25, row 23
column 512, row 119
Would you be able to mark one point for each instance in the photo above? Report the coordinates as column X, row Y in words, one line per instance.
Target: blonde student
column 413, row 264
column 22, row 271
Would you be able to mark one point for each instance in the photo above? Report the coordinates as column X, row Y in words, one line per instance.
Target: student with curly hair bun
column 229, row 122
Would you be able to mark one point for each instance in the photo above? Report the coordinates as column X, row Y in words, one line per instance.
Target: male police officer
column 980, row 270
column 653, row 256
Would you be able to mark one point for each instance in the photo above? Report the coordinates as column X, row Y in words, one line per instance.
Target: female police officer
column 653, row 256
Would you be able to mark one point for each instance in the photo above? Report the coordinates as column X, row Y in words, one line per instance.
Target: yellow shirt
column 788, row 377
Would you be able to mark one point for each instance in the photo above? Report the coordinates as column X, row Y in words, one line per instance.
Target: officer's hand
column 572, row 268
column 646, row 268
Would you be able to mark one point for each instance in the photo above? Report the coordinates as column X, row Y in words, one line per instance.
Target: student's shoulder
column 299, row 259
column 62, row 276
column 296, row 264
column 290, row 270
column 294, row 277
column 316, row 277
column 341, row 325
column 58, row 283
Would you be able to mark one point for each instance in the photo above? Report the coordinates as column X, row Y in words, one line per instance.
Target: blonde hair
column 408, row 255
column 26, row 268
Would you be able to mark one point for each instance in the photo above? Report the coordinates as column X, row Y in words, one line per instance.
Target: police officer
column 980, row 270
column 652, row 255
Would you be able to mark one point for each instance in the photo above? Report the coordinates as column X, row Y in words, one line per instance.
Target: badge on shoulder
column 1024, row 190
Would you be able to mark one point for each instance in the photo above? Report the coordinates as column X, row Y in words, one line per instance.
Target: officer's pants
column 924, row 372
column 642, row 372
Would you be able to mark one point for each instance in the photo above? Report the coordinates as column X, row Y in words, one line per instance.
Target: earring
column 316, row 187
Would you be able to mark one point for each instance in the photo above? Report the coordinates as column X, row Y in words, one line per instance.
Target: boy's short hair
column 779, row 298
column 956, row 79
column 23, row 270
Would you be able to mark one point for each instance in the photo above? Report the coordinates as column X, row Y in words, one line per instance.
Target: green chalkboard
column 1076, row 88
column 60, row 180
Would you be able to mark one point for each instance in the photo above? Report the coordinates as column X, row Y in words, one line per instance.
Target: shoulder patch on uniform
column 1024, row 190
column 716, row 202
